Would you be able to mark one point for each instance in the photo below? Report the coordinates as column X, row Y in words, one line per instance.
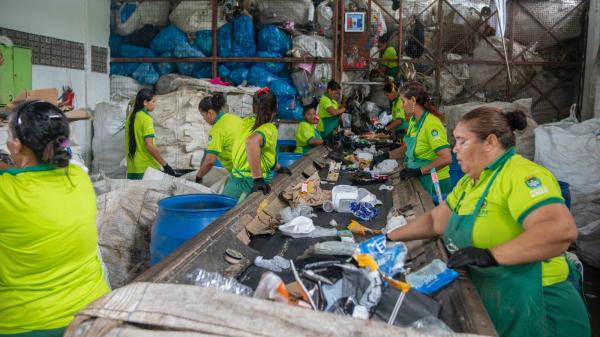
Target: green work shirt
column 49, row 267
column 397, row 111
column 304, row 134
column 268, row 151
column 327, row 122
column 431, row 139
column 142, row 159
column 390, row 54
column 226, row 129
column 520, row 188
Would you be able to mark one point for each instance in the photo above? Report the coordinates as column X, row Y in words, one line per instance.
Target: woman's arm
column 336, row 112
column 207, row 165
column 429, row 225
column 253, row 144
column 549, row 230
column 154, row 151
column 444, row 158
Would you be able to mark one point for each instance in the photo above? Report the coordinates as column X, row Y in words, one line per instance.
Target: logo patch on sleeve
column 535, row 186
column 435, row 134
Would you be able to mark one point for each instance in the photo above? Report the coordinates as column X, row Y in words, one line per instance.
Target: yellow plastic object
column 357, row 228
column 402, row 286
column 366, row 261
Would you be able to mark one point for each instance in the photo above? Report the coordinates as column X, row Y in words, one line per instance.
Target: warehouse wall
column 591, row 86
column 85, row 21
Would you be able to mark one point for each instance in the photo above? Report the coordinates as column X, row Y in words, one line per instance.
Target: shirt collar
column 146, row 112
column 501, row 159
column 35, row 168
column 221, row 113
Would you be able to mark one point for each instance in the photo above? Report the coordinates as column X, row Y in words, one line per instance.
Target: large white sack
column 192, row 16
column 108, row 142
column 212, row 183
column 146, row 13
column 268, row 12
column 124, row 87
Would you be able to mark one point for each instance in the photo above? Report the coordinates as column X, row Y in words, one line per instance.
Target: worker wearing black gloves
column 139, row 138
column 506, row 222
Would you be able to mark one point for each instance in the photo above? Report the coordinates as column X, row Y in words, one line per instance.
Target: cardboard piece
column 49, row 95
column 306, row 192
column 78, row 115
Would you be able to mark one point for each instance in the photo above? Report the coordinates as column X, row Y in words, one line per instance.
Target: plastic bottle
column 426, row 274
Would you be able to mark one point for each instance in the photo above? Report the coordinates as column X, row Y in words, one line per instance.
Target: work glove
column 198, row 180
column 410, row 173
column 284, row 170
column 471, row 256
column 261, row 185
column 168, row 170
column 378, row 159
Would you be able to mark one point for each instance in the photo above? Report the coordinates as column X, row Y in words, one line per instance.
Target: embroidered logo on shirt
column 535, row 186
column 435, row 134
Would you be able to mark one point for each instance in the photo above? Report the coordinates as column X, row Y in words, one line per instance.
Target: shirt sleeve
column 304, row 134
column 215, row 141
column 532, row 187
column 324, row 104
column 148, row 128
column 436, row 135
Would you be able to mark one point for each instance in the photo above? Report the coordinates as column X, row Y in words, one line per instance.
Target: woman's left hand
column 472, row 256
column 410, row 173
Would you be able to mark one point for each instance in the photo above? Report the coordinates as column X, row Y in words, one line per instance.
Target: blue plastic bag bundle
column 186, row 50
column 203, row 71
column 224, row 72
column 364, row 210
column 114, row 42
column 146, row 74
column 282, row 87
column 238, row 76
column 272, row 67
column 289, row 107
column 432, row 277
column 164, row 68
column 224, row 40
column 203, row 41
column 127, row 50
column 126, row 11
column 390, row 256
column 167, row 40
column 118, row 68
column 260, row 77
column 273, row 39
column 243, row 37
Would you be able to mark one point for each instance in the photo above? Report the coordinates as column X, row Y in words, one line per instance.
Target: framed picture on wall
column 354, row 22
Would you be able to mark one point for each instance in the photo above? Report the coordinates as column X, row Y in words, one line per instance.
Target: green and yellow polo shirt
column 397, row 111
column 520, row 188
column 431, row 139
column 304, row 134
column 268, row 152
column 226, row 129
column 390, row 54
column 49, row 267
column 142, row 159
column 327, row 122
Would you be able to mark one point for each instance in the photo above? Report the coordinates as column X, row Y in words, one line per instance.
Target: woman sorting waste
column 426, row 142
column 330, row 110
column 225, row 129
column 388, row 68
column 506, row 221
column 307, row 135
column 140, row 150
column 50, row 266
column 398, row 125
column 254, row 154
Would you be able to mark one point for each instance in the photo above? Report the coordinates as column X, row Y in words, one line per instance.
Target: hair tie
column 65, row 143
column 264, row 90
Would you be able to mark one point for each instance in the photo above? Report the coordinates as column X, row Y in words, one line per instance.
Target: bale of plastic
column 268, row 12
column 124, row 87
column 259, row 76
column 182, row 50
column 164, row 68
column 129, row 17
column 146, row 74
column 273, row 39
column 239, row 75
column 203, row 41
column 195, row 15
column 127, row 50
column 272, row 67
column 167, row 39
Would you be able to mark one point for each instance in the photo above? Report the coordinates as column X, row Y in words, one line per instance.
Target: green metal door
column 21, row 69
column 7, row 89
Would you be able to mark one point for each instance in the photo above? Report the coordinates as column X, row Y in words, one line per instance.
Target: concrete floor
column 591, row 289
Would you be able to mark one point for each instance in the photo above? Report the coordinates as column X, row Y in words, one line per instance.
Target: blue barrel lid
column 171, row 203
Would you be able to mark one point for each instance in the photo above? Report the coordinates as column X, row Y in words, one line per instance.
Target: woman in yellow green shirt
column 506, row 222
column 254, row 152
column 398, row 125
column 330, row 110
column 225, row 129
column 50, row 268
column 307, row 135
column 389, row 67
column 141, row 153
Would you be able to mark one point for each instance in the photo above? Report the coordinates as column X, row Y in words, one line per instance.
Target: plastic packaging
column 300, row 226
column 271, row 287
column 385, row 167
column 272, row 67
column 389, row 256
column 360, row 312
column 164, row 68
column 364, row 210
column 260, row 77
column 386, row 187
column 167, row 39
column 432, row 277
column 207, row 279
column 364, row 160
column 186, row 50
column 145, row 74
column 342, row 196
column 432, row 326
column 328, row 206
column 288, row 214
column 239, row 76
column 273, row 39
column 203, row 41
column 223, row 72
column 335, row 248
column 365, row 196
column 127, row 50
column 276, row 264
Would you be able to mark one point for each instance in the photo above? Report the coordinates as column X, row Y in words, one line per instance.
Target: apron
column 512, row 295
column 328, row 124
column 413, row 162
column 239, row 186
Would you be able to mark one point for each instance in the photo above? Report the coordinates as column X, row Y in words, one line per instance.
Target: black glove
column 410, row 173
column 471, row 256
column 284, row 170
column 395, row 5
column 168, row 170
column 261, row 185
column 378, row 159
column 198, row 180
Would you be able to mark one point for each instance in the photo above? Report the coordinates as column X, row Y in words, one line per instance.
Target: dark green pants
column 566, row 315
column 40, row 333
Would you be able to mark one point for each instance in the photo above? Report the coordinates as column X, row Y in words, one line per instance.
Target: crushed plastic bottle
column 205, row 279
column 432, row 277
column 276, row 264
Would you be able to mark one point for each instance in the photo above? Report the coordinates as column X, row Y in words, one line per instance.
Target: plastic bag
column 204, row 71
column 289, row 107
column 223, row 72
column 239, row 76
column 114, row 42
column 385, row 167
column 432, row 326
column 432, row 277
column 243, row 36
column 118, row 68
column 389, row 256
column 164, row 68
column 127, row 50
column 203, row 41
column 271, row 287
column 167, row 40
column 300, row 225
column 132, row 16
column 260, row 77
column 364, row 210
column 276, row 264
column 335, row 248
column 146, row 74
column 272, row 67
column 273, row 39
column 207, row 279
column 186, row 50
column 288, row 214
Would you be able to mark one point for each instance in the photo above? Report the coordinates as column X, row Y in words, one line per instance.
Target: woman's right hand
column 261, row 185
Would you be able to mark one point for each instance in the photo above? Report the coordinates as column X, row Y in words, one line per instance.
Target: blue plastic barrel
column 287, row 159
column 566, row 192
column 181, row 217
column 286, row 146
column 456, row 172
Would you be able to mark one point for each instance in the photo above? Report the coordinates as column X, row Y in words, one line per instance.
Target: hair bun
column 517, row 120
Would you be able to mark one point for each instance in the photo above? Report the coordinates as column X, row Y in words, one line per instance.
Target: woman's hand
column 472, row 256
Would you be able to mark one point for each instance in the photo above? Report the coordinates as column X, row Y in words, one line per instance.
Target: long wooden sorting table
column 461, row 307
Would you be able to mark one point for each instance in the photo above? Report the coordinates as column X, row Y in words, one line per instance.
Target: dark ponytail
column 144, row 94
column 43, row 129
column 215, row 102
column 517, row 120
column 264, row 104
column 419, row 92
